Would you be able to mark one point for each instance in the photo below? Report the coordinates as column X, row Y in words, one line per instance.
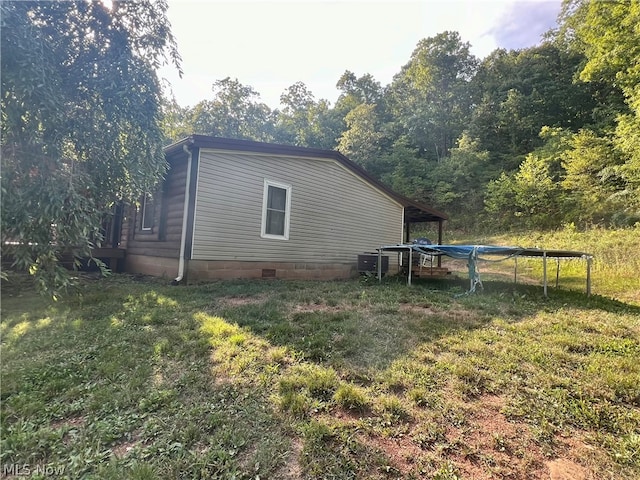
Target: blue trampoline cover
column 464, row 251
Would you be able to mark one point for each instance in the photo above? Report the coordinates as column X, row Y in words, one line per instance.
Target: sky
column 271, row 45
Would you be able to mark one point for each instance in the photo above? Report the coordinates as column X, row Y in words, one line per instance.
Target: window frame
column 144, row 213
column 287, row 212
column 151, row 233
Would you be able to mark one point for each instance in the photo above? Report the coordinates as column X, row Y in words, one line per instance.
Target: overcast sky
column 271, row 45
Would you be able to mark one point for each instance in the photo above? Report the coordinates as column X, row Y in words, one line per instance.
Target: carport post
column 410, row 266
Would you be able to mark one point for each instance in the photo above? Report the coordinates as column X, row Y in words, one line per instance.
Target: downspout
column 185, row 214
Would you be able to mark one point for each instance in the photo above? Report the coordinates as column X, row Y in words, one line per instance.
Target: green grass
column 270, row 379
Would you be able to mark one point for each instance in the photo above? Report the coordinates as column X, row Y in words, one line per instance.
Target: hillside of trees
column 533, row 138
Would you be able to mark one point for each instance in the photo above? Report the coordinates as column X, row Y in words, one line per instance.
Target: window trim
column 287, row 212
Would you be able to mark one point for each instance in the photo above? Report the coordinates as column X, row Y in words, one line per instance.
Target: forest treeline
column 533, row 138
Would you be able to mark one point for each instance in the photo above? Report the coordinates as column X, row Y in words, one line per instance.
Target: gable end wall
column 335, row 215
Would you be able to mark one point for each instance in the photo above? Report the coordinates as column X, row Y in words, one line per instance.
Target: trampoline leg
column 589, row 259
column 544, row 271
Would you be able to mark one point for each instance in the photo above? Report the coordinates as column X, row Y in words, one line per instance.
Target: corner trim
column 193, row 201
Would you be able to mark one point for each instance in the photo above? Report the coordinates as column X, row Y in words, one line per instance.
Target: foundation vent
column 268, row 273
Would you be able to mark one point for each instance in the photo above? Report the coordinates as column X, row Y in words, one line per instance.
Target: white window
column 276, row 207
column 148, row 213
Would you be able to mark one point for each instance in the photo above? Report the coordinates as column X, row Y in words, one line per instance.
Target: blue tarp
column 464, row 251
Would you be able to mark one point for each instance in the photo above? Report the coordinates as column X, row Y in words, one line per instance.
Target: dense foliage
column 81, row 130
column 538, row 137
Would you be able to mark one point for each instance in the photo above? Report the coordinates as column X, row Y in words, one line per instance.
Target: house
column 241, row 209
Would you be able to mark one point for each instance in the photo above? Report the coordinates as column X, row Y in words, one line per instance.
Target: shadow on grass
column 181, row 378
column 558, row 297
column 122, row 378
column 364, row 324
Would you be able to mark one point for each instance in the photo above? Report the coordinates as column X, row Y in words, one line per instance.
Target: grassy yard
column 344, row 380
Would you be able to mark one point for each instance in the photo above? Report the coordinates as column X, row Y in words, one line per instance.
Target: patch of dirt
column 419, row 309
column 572, row 452
column 487, row 447
column 499, row 448
column 318, row 307
column 402, row 452
column 240, row 301
column 490, row 446
column 70, row 424
column 292, row 470
column 563, row 469
column 452, row 314
column 346, row 416
column 122, row 449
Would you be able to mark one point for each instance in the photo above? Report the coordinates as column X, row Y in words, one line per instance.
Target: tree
column 175, row 120
column 457, row 183
column 532, row 196
column 361, row 141
column 499, row 201
column 592, row 179
column 80, row 123
column 356, row 91
column 430, row 98
column 234, row 112
column 529, row 197
column 363, row 90
column 520, row 91
column 607, row 34
column 405, row 171
column 305, row 122
column 537, row 194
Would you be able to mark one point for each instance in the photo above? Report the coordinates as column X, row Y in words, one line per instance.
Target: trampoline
column 486, row 253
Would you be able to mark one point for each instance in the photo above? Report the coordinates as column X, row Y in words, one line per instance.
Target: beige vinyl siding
column 334, row 214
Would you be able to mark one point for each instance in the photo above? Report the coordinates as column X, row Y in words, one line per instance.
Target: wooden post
column 557, row 272
column 380, row 265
